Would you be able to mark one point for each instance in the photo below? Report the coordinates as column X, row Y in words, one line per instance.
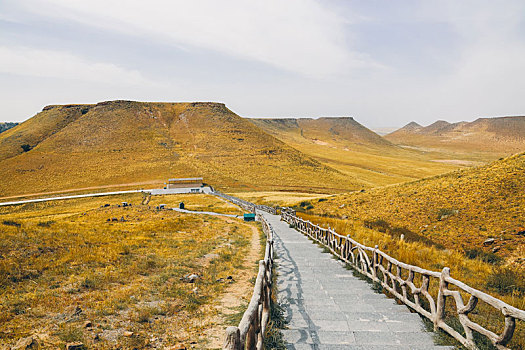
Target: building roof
column 188, row 179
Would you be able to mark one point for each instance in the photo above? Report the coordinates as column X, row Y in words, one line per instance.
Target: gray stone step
column 327, row 307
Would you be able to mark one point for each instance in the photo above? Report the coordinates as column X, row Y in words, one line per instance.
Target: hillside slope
column 346, row 145
column 492, row 137
column 459, row 210
column 121, row 141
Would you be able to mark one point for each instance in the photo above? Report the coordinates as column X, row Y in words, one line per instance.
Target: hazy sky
column 384, row 62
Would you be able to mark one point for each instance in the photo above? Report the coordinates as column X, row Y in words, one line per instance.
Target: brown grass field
column 63, row 264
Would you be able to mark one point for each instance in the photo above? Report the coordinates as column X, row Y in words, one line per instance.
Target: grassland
column 460, row 210
column 347, row 146
column 68, row 274
column 278, row 198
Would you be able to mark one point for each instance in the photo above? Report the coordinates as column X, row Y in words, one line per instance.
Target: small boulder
column 127, row 334
column 88, row 324
column 75, row 346
column 489, row 241
column 190, row 278
column 27, row 343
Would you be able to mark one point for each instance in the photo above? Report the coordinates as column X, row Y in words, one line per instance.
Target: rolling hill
column 490, row 138
column 477, row 208
column 344, row 144
column 75, row 146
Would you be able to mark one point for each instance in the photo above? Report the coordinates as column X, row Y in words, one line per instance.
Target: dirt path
column 237, row 293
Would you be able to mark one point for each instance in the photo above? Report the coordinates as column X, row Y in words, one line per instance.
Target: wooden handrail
column 387, row 271
column 249, row 334
column 248, row 206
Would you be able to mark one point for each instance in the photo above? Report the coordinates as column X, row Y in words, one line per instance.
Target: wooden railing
column 248, row 206
column 411, row 285
column 237, row 201
column 249, row 334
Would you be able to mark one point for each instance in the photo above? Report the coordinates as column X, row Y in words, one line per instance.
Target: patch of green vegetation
column 396, row 232
column 482, row 255
column 506, row 281
column 12, row 223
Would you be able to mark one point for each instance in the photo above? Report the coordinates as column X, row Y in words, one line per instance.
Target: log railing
column 248, row 206
column 411, row 285
column 249, row 334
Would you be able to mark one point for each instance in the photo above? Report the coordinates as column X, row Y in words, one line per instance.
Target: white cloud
column 57, row 64
column 301, row 36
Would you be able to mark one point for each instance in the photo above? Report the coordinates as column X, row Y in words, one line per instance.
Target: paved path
column 71, row 197
column 328, row 308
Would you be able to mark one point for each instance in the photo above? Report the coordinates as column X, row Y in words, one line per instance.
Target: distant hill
column 4, row 126
column 459, row 210
column 340, row 130
column 500, row 136
column 346, row 145
column 74, row 146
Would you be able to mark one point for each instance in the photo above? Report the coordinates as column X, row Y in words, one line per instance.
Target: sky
column 384, row 62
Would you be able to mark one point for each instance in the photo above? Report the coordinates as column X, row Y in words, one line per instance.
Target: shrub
column 507, row 280
column 46, row 223
column 26, row 147
column 69, row 333
column 444, row 213
column 12, row 223
column 480, row 254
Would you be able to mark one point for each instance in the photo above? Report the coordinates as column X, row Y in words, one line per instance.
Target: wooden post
column 233, row 339
column 441, row 299
column 374, row 263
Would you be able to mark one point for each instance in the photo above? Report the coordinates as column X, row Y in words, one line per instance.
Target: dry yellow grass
column 197, row 202
column 459, row 210
column 278, row 198
column 62, row 264
column 352, row 149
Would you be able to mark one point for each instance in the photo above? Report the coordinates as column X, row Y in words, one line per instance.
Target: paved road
column 70, row 197
column 328, row 308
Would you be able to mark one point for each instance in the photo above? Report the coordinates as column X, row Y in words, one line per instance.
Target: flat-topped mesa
column 122, row 103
